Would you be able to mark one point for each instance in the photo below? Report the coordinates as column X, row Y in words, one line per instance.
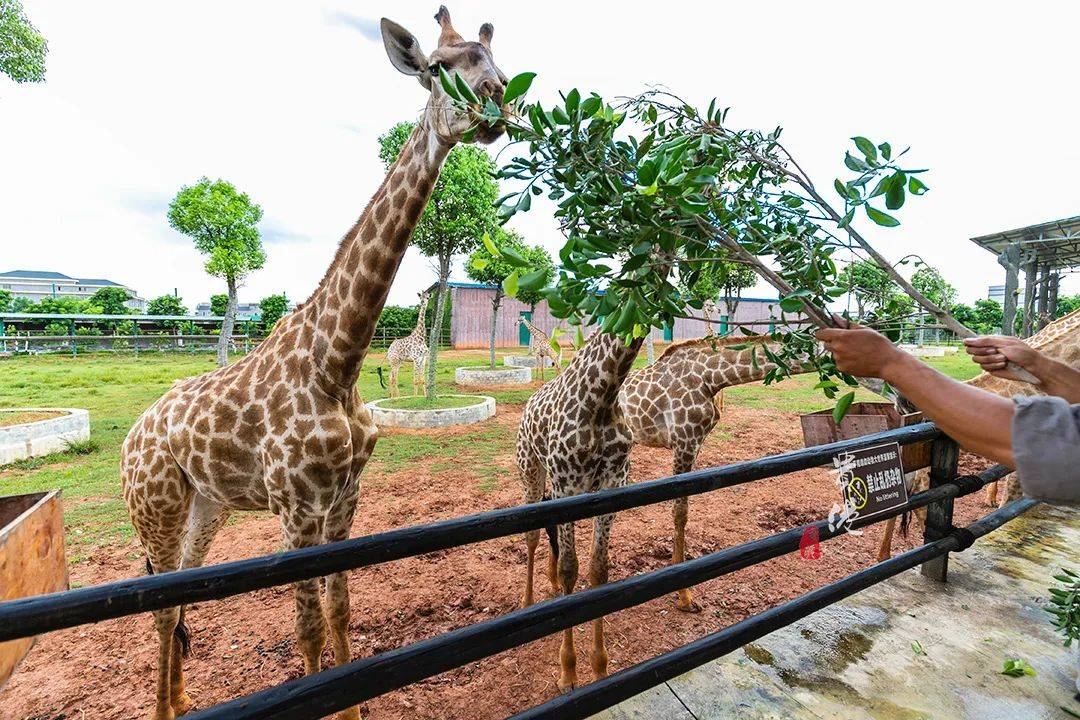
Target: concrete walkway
column 855, row 660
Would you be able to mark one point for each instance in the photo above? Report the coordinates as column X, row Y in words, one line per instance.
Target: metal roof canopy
column 1054, row 244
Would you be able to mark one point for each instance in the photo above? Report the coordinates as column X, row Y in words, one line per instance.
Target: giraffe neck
column 419, row 329
column 346, row 305
column 605, row 361
column 725, row 367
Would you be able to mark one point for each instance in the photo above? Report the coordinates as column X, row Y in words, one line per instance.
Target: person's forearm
column 980, row 421
column 1059, row 379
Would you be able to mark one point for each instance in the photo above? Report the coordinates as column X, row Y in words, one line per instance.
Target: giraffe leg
column 205, row 520
column 680, row 511
column 394, row 367
column 885, row 551
column 160, row 517
column 568, row 574
column 338, row 524
column 532, row 477
column 598, row 575
column 540, row 361
column 301, row 530
column 419, row 380
column 992, row 494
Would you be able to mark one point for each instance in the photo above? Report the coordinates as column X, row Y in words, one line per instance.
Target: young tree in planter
column 487, row 265
column 460, row 211
column 222, row 221
column 22, row 47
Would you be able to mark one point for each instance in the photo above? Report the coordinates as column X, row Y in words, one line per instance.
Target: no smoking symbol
column 858, row 493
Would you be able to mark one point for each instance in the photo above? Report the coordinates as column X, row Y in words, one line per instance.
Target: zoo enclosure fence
column 321, row 694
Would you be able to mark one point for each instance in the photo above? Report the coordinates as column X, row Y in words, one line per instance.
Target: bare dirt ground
column 245, row 643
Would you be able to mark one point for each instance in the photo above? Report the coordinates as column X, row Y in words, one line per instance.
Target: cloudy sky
column 286, row 100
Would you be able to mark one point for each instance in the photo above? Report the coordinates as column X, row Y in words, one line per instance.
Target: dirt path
column 245, row 643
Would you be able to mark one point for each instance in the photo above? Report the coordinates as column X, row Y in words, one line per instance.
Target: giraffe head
column 470, row 60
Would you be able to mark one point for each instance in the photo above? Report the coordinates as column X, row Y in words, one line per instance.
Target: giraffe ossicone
column 284, row 428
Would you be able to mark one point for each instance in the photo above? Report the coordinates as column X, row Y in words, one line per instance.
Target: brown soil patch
column 21, row 417
column 245, row 643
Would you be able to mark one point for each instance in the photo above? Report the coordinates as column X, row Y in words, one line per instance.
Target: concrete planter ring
column 484, row 376
column 49, row 434
column 481, row 410
column 527, row 361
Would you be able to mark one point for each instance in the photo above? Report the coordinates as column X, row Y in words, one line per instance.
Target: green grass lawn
column 116, row 388
column 422, row 402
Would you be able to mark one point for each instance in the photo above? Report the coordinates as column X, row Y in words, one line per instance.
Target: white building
column 997, row 294
column 244, row 311
column 37, row 285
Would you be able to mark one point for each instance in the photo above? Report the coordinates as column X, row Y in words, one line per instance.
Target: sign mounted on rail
column 872, row 479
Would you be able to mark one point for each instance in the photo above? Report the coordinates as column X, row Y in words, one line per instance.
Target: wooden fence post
column 944, row 455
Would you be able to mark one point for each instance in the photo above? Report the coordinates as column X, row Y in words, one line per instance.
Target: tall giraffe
column 573, row 433
column 1060, row 340
column 540, row 346
column 413, row 347
column 675, row 403
column 284, row 427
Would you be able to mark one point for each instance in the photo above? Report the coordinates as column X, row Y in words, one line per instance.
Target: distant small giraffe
column 675, row 403
column 413, row 347
column 1059, row 340
column 573, row 433
column 540, row 347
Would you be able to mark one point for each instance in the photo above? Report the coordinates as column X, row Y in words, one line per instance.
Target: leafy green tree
column 1066, row 304
column 271, row 309
column 460, row 211
column 166, row 305
column 222, row 222
column 219, row 303
column 722, row 279
column 868, row 284
column 984, row 318
column 494, row 269
column 930, row 283
column 22, row 47
column 23, row 305
column 5, row 301
column 111, row 301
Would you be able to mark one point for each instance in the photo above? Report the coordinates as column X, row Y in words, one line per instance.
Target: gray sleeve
column 1046, row 444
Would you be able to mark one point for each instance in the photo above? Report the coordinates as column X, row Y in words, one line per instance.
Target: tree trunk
column 494, row 320
column 436, row 324
column 227, row 325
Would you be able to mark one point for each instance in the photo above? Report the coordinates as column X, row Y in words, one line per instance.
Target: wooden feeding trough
column 865, row 418
column 31, row 559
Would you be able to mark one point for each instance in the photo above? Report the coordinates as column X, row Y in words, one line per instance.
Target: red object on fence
column 810, row 544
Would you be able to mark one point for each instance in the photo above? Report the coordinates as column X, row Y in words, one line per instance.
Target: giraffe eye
column 434, row 69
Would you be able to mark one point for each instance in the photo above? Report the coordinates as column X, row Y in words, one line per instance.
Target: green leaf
column 466, row 91
column 791, row 304
column 854, row 163
column 490, row 245
column 917, row 648
column 1017, row 668
column 916, row 186
column 846, row 220
column 842, row 406
column 479, row 263
column 894, row 196
column 447, row 84
column 573, row 99
column 865, row 147
column 513, row 257
column 533, row 280
column 881, row 218
column 560, row 115
column 886, row 150
column 518, row 86
column 510, row 284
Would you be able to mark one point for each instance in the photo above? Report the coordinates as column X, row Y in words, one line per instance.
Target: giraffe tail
column 382, row 382
column 181, row 632
column 552, row 533
column 905, row 522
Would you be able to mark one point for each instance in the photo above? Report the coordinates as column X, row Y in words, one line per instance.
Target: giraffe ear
column 403, row 49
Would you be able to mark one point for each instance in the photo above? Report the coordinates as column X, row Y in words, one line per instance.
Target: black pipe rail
column 56, row 611
column 315, row 696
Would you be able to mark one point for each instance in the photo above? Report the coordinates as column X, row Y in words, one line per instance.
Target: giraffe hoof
column 687, row 606
column 525, row 602
column 181, row 704
column 566, row 686
column 352, row 713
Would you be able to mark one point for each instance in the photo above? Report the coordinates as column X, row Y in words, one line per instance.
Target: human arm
column 992, row 353
column 978, row 420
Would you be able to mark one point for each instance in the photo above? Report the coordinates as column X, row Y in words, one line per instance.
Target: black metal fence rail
column 45, row 613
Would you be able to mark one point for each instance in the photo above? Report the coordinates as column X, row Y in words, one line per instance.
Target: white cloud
column 286, row 100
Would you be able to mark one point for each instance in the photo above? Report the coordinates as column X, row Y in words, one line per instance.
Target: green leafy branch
column 1065, row 605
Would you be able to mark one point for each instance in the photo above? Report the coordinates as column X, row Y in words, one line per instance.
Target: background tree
column 222, row 222
column 484, row 267
column 984, row 318
column 219, row 303
column 1066, row 304
column 272, row 309
column 868, row 284
column 109, row 301
column 930, row 283
column 5, row 301
column 460, row 211
column 22, row 47
column 166, row 305
column 722, row 279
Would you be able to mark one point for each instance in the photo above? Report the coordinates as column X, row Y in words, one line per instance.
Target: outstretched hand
column 993, row 353
column 860, row 351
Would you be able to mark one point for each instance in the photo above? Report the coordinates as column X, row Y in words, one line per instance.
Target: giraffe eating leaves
column 284, row 428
